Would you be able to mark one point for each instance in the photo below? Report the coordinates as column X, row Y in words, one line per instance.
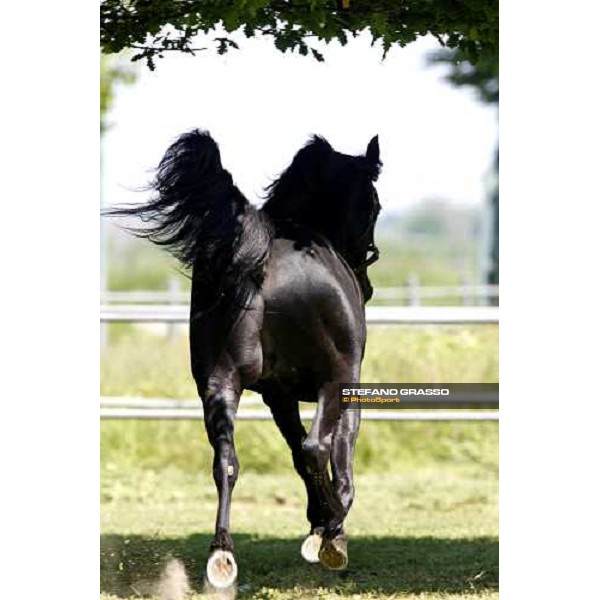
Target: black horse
column 277, row 306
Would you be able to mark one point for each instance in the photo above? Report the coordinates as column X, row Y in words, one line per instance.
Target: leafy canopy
column 156, row 26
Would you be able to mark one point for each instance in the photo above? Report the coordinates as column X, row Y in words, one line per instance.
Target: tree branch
column 161, row 49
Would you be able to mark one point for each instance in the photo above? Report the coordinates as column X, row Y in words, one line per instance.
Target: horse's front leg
column 335, row 550
column 316, row 449
column 286, row 414
column 342, row 456
column 220, row 399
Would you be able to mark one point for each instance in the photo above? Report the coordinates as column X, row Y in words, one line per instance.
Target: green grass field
column 424, row 524
column 426, row 532
column 142, row 364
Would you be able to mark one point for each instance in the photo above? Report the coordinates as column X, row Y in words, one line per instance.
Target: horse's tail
column 202, row 218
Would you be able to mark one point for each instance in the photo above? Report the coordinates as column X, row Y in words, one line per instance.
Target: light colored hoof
column 333, row 554
column 221, row 569
column 310, row 547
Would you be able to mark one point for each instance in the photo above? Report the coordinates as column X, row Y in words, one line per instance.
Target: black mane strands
column 333, row 195
column 202, row 218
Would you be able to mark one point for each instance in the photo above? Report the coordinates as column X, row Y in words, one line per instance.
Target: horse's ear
column 372, row 154
column 372, row 157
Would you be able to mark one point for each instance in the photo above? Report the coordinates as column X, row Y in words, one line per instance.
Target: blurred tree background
column 113, row 70
column 483, row 78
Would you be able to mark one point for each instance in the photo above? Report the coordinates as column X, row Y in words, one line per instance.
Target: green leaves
column 153, row 26
column 317, row 55
column 224, row 44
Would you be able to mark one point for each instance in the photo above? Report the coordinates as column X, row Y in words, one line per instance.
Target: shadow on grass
column 131, row 565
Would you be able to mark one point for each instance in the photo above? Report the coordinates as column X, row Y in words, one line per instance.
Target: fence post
column 174, row 287
column 412, row 283
column 467, row 299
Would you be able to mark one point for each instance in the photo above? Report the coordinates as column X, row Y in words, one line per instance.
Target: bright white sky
column 261, row 106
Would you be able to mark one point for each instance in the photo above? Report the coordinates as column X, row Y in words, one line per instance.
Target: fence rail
column 169, row 409
column 411, row 293
column 168, row 414
column 376, row 315
column 433, row 291
column 162, row 408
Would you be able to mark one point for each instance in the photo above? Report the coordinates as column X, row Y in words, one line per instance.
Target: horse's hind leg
column 286, row 414
column 220, row 399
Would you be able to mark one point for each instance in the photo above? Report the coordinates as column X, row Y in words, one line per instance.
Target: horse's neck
column 309, row 212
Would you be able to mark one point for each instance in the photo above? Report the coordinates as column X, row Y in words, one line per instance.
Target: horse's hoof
column 333, row 554
column 221, row 569
column 311, row 546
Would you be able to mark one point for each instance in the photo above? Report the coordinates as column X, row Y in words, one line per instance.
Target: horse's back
column 313, row 321
column 305, row 325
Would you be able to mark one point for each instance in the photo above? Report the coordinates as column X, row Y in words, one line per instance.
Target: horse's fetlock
column 315, row 457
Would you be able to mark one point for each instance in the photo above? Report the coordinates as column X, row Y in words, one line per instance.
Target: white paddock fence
column 412, row 294
column 166, row 409
column 376, row 315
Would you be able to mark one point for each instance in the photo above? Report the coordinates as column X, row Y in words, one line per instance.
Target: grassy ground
column 427, row 533
column 382, row 447
column 424, row 523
